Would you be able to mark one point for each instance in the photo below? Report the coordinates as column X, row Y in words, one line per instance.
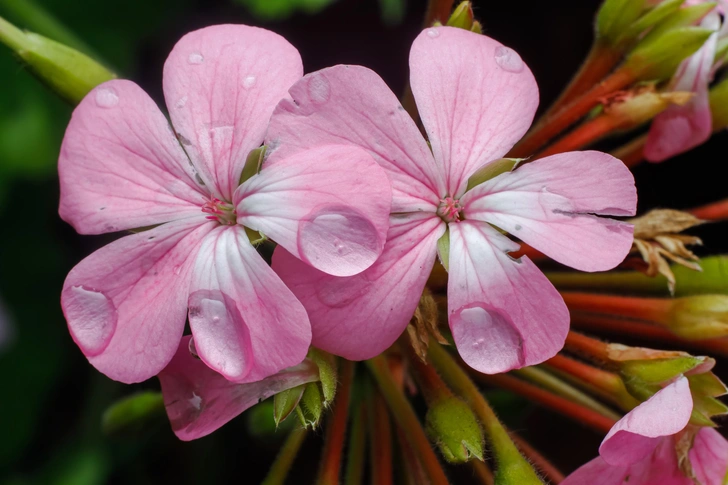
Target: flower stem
column 286, row 456
column 593, row 349
column 622, row 281
column 414, row 471
column 632, row 153
column 583, row 135
column 716, row 211
column 11, row 36
column 336, row 428
column 406, row 419
column 380, row 433
column 551, row 126
column 649, row 309
column 545, row 466
column 509, row 461
column 482, row 471
column 357, row 447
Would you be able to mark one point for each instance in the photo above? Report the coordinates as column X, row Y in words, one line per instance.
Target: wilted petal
column 353, row 105
column 709, row 457
column 121, row 166
column 549, row 204
column 199, row 400
column 126, row 303
column 637, row 434
column 360, row 316
column 221, row 84
column 247, row 325
column 504, row 314
column 476, row 98
column 328, row 206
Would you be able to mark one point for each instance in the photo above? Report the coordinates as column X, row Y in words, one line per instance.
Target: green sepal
column 451, row 424
column 461, row 17
column 658, row 59
column 681, row 17
column 131, row 414
column 657, row 371
column 492, row 170
column 255, row 237
column 443, row 249
column 719, row 111
column 654, row 16
column 285, row 402
column 311, row 407
column 253, row 163
column 328, row 372
column 615, row 17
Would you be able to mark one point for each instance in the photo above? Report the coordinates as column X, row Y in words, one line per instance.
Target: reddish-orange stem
column 633, row 153
column 599, row 378
column 588, row 347
column 336, row 429
column 650, row 309
column 533, row 254
column 482, row 471
column 581, row 136
column 380, row 430
column 716, row 211
column 535, row 457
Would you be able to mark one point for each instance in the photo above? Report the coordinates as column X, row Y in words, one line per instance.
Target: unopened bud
column 285, row 402
column 615, row 17
column 68, row 72
column 699, row 317
column 462, row 16
column 328, row 373
column 451, row 424
column 311, row 406
column 477, row 27
column 658, row 57
column 132, row 414
column 719, row 105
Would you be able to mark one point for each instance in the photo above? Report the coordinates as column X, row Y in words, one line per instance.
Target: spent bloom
column 122, row 167
column 654, row 443
column 476, row 98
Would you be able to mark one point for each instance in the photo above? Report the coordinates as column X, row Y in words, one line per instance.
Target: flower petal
column 476, row 98
column 549, row 204
column 126, row 303
column 221, row 84
column 504, row 314
column 328, row 206
column 246, row 324
column 637, row 434
column 353, row 105
column 199, row 400
column 599, row 472
column 361, row 316
column 121, row 166
column 709, row 457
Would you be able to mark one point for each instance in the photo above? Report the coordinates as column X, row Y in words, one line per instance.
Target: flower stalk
column 286, row 456
column 336, row 429
column 357, row 446
column 380, row 439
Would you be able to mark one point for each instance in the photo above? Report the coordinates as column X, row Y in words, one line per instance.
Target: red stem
column 336, row 429
column 649, row 309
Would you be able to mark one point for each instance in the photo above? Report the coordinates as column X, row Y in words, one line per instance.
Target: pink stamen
column 450, row 209
column 222, row 212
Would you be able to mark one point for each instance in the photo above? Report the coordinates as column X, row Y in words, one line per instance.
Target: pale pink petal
column 504, row 314
column 221, row 84
column 199, row 400
column 709, row 457
column 550, row 204
column 328, row 206
column 121, row 166
column 637, row 434
column 599, row 472
column 126, row 303
column 681, row 128
column 246, row 324
column 361, row 316
column 353, row 105
column 476, row 98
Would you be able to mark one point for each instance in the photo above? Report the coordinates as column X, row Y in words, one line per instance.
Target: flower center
column 450, row 209
column 220, row 211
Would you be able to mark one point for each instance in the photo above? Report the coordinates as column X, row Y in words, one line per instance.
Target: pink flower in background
column 643, row 447
column 122, row 167
column 476, row 98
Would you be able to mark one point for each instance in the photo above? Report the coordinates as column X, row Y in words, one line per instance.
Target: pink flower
column 477, row 98
column 646, row 447
column 122, row 167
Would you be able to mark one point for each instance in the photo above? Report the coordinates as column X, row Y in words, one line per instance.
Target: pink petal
column 709, row 457
column 681, row 128
column 246, row 324
column 476, row 98
column 199, row 401
column 221, row 85
column 637, row 434
column 361, row 316
column 126, row 303
column 504, row 314
column 353, row 105
column 549, row 204
column 328, row 206
column 599, row 472
column 121, row 166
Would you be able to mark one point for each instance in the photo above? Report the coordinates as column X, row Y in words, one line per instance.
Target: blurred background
column 52, row 400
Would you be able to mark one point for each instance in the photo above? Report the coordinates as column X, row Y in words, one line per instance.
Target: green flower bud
column 699, row 317
column 462, row 16
column 328, row 373
column 311, row 406
column 615, row 17
column 132, row 414
column 719, row 105
column 451, row 424
column 284, row 403
column 657, row 57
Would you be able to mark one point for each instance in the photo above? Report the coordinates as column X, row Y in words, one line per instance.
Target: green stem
column 622, row 281
column 11, row 36
column 286, row 456
column 330, row 468
column 357, row 447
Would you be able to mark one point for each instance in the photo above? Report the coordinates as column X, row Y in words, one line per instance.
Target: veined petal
column 709, row 457
column 504, row 314
column 199, row 400
column 328, row 206
column 637, row 434
column 121, row 166
column 126, row 303
column 246, row 324
column 361, row 316
column 221, row 84
column 550, row 204
column 599, row 472
column 353, row 105
column 476, row 97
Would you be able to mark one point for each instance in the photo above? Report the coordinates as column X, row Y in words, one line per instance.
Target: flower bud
column 657, row 57
column 328, row 373
column 615, row 17
column 699, row 317
column 285, row 402
column 719, row 105
column 311, row 406
column 452, row 425
column 68, row 72
column 462, row 16
column 132, row 414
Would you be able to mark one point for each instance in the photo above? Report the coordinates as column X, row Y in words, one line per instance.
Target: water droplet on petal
column 106, row 97
column 249, row 82
column 338, row 240
column 181, row 103
column 319, row 89
column 91, row 317
column 433, row 32
column 177, row 270
column 486, row 338
column 195, row 401
column 508, row 59
column 195, row 58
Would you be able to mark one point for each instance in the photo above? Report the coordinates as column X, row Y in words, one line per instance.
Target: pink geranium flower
column 123, row 167
column 648, row 446
column 476, row 98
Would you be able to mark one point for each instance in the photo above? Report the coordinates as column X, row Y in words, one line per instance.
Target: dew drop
column 91, row 316
column 432, row 33
column 508, row 59
column 195, row 401
column 106, row 97
column 195, row 58
column 319, row 89
column 249, row 82
column 177, row 270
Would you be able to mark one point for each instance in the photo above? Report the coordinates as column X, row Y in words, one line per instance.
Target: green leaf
column 132, row 413
column 281, row 9
column 492, row 170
